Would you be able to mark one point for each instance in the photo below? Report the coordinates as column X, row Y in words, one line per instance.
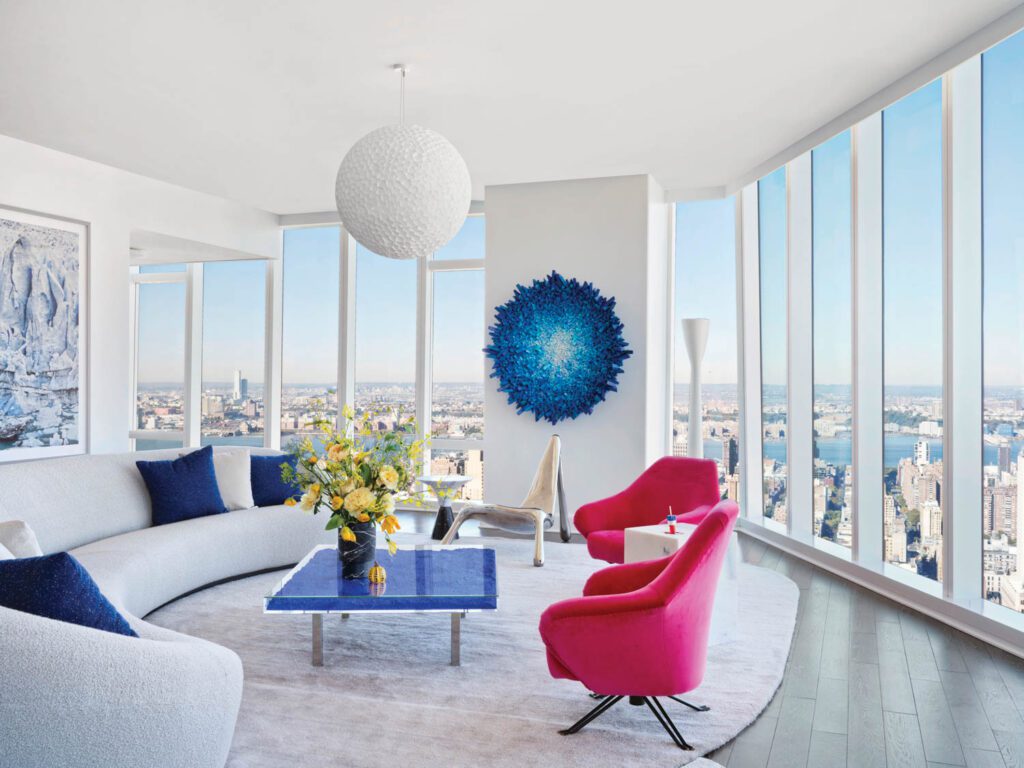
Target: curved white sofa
column 82, row 698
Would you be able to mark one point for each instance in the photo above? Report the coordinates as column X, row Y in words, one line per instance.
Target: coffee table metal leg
column 318, row 640
column 456, row 639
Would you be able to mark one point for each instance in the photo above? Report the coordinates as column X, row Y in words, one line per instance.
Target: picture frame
column 44, row 311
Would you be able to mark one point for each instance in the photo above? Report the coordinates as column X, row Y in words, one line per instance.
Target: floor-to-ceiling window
column 385, row 359
column 309, row 348
column 833, row 340
column 457, row 365
column 705, row 286
column 913, row 332
column 160, row 302
column 1002, row 517
column 773, row 249
column 234, row 331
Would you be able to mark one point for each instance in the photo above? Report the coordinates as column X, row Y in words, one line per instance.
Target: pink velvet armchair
column 689, row 486
column 641, row 630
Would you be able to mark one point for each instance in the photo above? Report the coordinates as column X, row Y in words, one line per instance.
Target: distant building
column 1005, row 459
column 922, row 453
column 236, row 392
column 731, row 455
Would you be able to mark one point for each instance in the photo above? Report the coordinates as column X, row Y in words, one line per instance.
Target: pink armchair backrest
column 650, row 640
column 683, row 484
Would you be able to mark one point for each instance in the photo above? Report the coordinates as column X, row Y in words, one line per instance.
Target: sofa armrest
column 79, row 697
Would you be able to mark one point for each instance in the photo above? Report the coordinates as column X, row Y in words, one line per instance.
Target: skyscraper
column 236, row 392
column 922, row 452
column 1004, row 457
column 1020, row 513
column 730, row 455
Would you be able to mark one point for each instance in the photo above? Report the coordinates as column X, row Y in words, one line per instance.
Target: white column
column 346, row 321
column 424, row 350
column 194, row 355
column 273, row 342
column 868, row 438
column 695, row 334
column 962, row 284
column 748, row 309
column 800, row 352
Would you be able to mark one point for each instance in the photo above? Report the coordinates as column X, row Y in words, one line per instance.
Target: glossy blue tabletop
column 419, row 578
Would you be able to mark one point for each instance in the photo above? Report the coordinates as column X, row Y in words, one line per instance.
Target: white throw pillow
column 233, row 479
column 17, row 538
column 5, row 553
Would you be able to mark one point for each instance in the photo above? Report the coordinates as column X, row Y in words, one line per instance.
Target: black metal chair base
column 694, row 707
column 607, row 702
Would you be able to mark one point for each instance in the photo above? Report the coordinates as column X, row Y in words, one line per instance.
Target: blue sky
column 772, row 236
column 831, row 242
column 1003, row 220
column 912, row 238
column 705, row 285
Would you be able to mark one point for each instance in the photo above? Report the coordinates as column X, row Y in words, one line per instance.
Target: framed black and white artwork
column 43, row 372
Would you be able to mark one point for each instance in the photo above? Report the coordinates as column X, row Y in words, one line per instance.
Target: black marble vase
column 357, row 556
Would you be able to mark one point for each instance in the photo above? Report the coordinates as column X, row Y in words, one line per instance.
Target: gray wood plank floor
column 871, row 683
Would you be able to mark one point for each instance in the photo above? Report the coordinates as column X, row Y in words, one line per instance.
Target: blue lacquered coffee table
column 420, row 579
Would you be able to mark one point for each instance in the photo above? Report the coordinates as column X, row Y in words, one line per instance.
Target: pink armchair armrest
column 624, row 578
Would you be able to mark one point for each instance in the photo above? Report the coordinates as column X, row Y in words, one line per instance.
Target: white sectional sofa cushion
column 81, row 698
column 232, row 468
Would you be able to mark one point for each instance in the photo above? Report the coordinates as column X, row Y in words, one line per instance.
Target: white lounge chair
column 536, row 514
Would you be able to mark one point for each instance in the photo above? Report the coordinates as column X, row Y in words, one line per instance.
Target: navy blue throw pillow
column 268, row 489
column 184, row 488
column 58, row 587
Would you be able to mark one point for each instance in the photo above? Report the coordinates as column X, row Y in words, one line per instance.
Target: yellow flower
column 389, row 477
column 362, row 517
column 336, row 502
column 389, row 524
column 309, row 500
column 359, row 500
column 386, row 504
column 348, row 412
column 289, row 502
column 337, row 453
column 347, row 535
column 312, row 459
column 315, row 489
column 392, row 547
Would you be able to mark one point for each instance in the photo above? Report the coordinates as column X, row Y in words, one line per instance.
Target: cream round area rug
column 387, row 697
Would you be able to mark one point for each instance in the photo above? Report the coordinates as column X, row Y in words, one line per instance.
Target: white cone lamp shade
column 403, row 191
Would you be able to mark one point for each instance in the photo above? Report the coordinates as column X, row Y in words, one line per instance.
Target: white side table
column 652, row 542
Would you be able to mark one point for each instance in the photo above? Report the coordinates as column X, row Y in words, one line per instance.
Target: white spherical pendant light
column 403, row 191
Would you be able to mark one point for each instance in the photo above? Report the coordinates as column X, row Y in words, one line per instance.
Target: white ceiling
column 258, row 100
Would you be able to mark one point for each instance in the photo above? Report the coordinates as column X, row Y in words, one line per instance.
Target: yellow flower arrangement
column 356, row 474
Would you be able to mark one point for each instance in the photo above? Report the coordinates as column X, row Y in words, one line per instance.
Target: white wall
column 598, row 230
column 113, row 203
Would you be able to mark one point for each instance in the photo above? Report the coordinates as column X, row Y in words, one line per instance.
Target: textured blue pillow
column 58, row 587
column 184, row 488
column 268, row 489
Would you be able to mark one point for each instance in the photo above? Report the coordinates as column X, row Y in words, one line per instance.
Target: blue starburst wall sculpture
column 557, row 348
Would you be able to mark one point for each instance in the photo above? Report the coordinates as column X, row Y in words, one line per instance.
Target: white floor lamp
column 695, row 333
